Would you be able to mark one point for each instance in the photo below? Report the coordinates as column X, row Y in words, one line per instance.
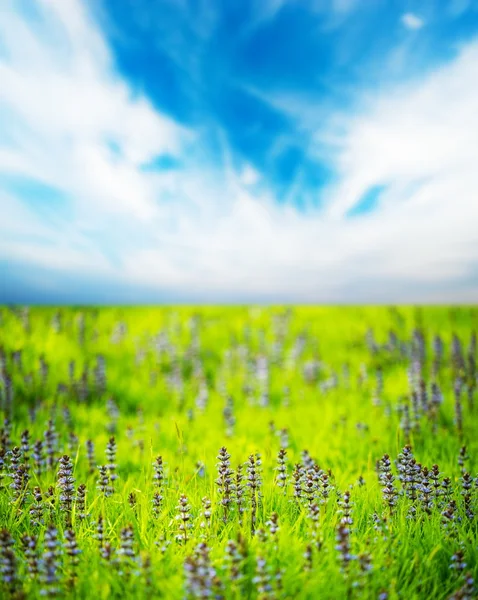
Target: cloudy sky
column 239, row 151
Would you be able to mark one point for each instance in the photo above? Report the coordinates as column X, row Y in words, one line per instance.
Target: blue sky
column 239, row 151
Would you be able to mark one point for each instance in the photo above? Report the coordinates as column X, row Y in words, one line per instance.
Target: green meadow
column 239, row 452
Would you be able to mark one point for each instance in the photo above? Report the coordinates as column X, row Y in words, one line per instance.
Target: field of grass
column 239, row 453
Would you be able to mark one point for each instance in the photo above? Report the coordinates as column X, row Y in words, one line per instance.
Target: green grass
column 337, row 419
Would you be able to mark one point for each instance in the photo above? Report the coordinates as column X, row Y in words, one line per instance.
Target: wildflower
column 67, row 417
column 206, row 513
column 157, row 501
column 38, row 458
column 104, row 481
column 113, row 413
column 240, row 500
column 200, row 468
column 147, row 571
column 458, row 562
column 100, row 532
column 325, row 485
column 277, row 578
column 435, row 478
column 107, row 552
column 235, row 558
column 163, row 543
column 404, row 467
column 132, row 500
column 199, row 574
column 37, row 508
column 30, row 550
column 458, row 406
column 81, row 502
column 253, row 483
column 435, row 403
column 310, row 486
column 51, row 440
column 126, row 550
column 15, row 459
column 2, row 464
column 50, row 499
column 307, row 460
column 72, row 551
column 457, row 353
column 184, row 518
column 365, row 562
column 436, row 395
column 100, row 374
column 387, row 480
column 308, row 557
column 437, row 353
column 463, row 458
column 158, row 477
column 273, row 524
column 50, row 563
column 111, row 460
column 314, row 515
column 414, row 479
column 466, row 484
column 472, row 377
column 467, row 591
column 345, row 509
column 262, row 579
column 20, row 484
column 416, row 410
column 446, row 486
column 229, row 417
column 8, row 561
column 380, row 526
column 384, row 467
column 25, row 446
column 423, row 395
column 343, row 546
column 281, row 479
column 448, row 519
column 66, row 485
column 298, row 475
column 405, row 422
column 90, row 451
column 261, row 535
column 225, row 481
column 426, row 491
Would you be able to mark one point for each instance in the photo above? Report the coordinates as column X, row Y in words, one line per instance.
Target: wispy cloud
column 412, row 21
column 63, row 110
column 151, row 206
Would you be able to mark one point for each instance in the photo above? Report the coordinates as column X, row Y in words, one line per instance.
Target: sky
column 264, row 151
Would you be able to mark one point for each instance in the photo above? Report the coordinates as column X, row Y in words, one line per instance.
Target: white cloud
column 425, row 132
column 64, row 107
column 205, row 230
column 249, row 175
column 412, row 21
